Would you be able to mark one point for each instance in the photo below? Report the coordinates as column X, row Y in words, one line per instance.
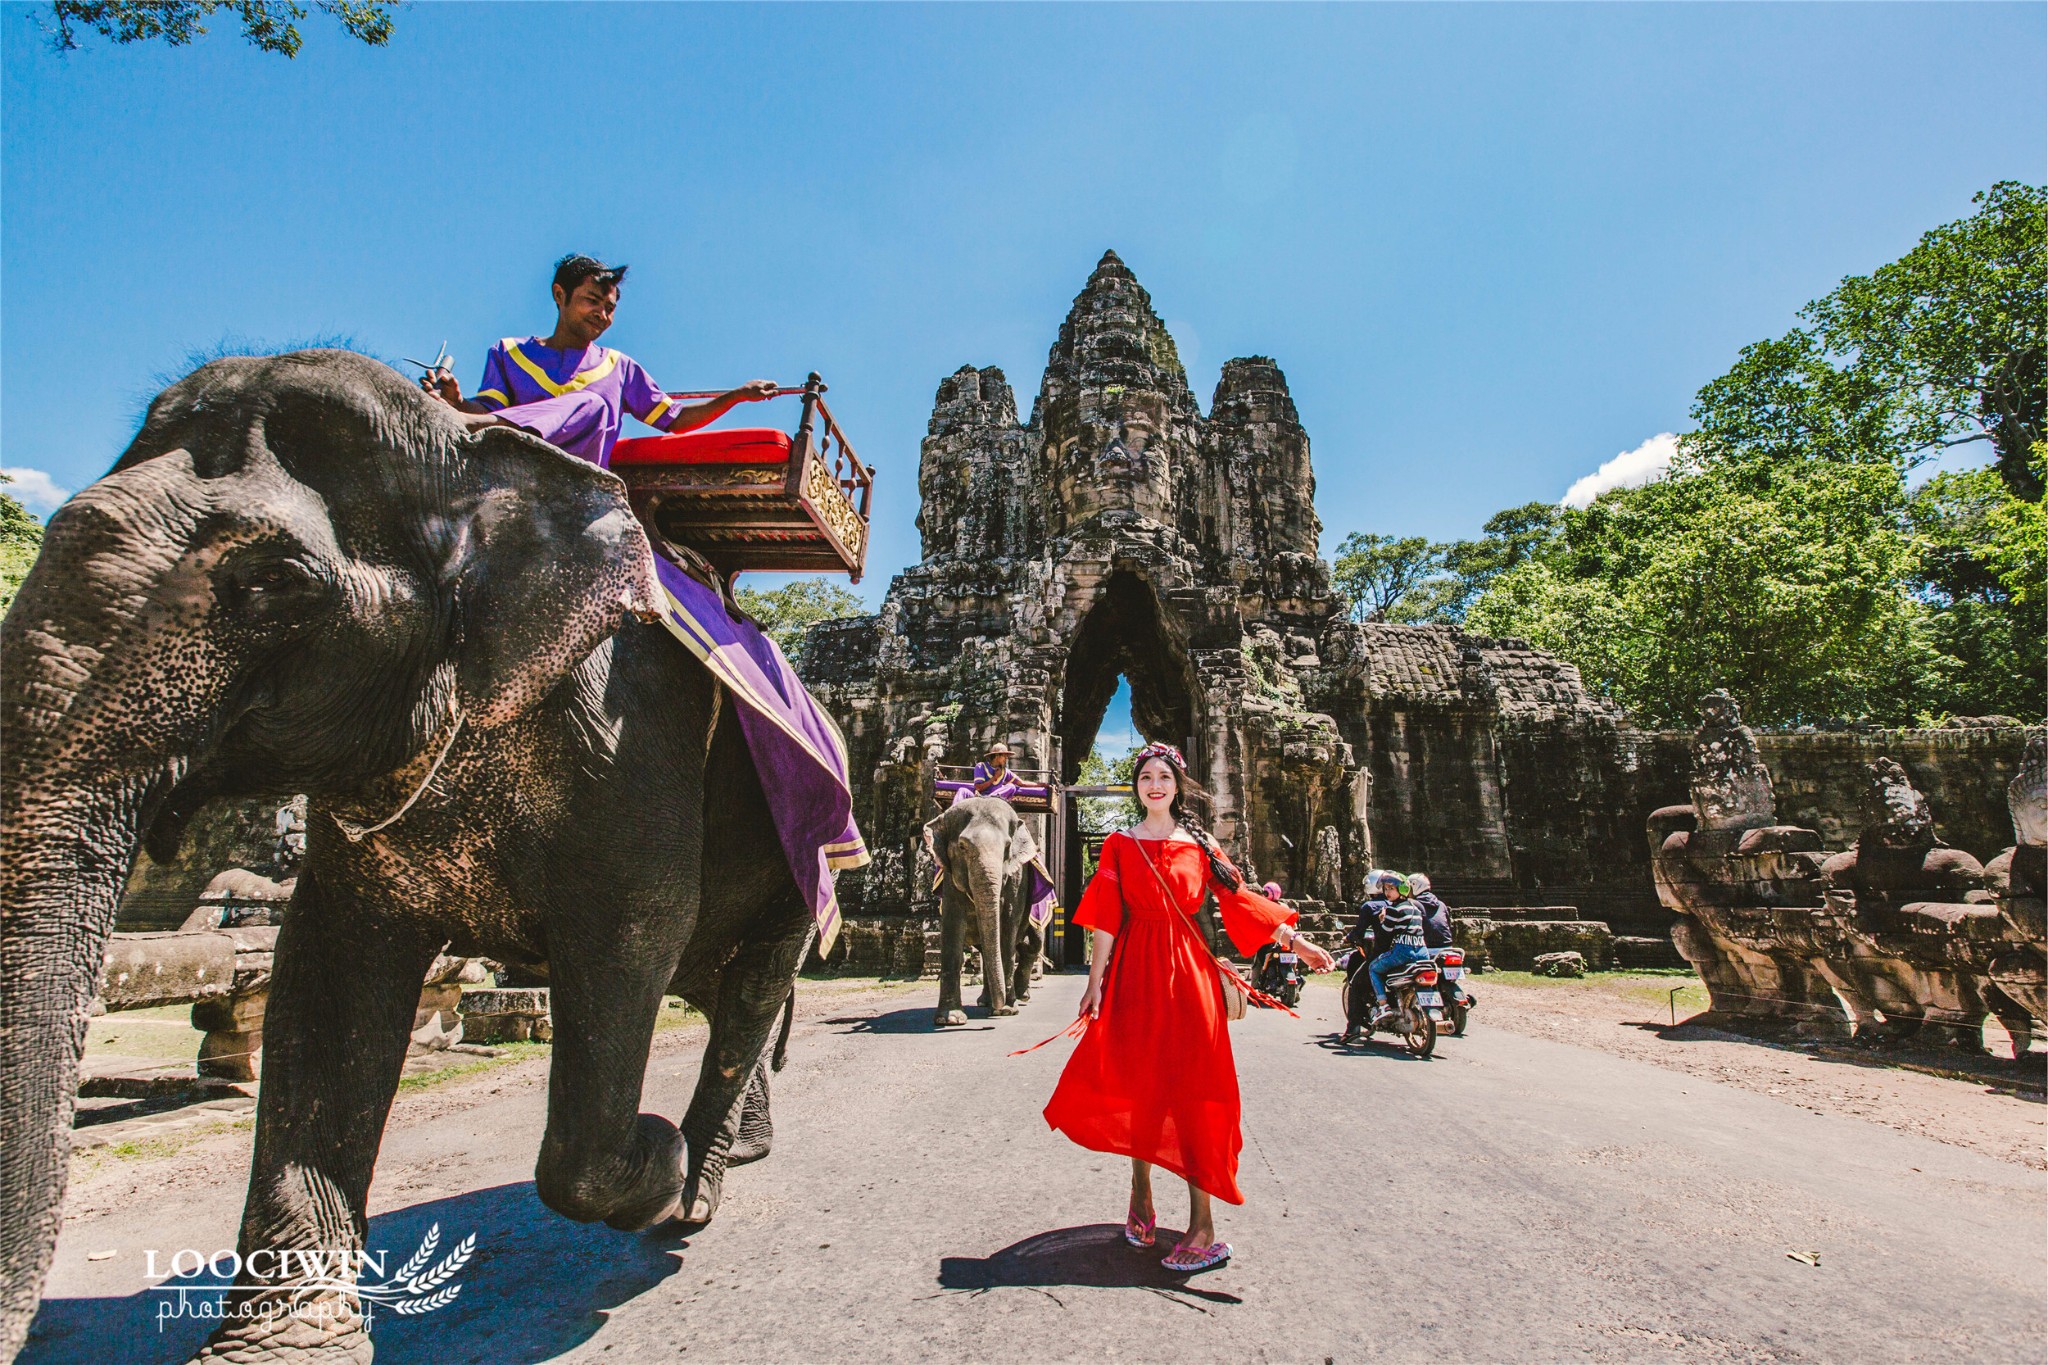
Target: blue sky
column 1492, row 246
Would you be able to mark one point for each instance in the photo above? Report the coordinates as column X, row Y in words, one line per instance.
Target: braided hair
column 1184, row 788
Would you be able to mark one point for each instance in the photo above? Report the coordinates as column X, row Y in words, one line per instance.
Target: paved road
column 1514, row 1199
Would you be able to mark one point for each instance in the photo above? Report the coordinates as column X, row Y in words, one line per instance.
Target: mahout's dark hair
column 573, row 269
column 1184, row 788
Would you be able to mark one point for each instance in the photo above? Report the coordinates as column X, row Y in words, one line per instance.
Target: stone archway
column 1124, row 635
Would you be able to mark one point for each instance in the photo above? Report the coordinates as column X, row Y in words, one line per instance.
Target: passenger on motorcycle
column 1381, row 923
column 1436, row 925
column 1397, row 915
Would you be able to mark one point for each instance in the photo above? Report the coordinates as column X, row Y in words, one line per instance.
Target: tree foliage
column 1946, row 346
column 1381, row 575
column 785, row 613
column 1785, row 556
column 270, row 25
column 21, row 537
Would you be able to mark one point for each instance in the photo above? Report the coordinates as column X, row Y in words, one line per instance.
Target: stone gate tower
column 1122, row 530
column 1119, row 531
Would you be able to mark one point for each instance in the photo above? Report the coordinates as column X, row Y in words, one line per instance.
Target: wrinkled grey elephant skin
column 981, row 846
column 304, row 576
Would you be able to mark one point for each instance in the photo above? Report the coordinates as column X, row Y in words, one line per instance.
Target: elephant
column 305, row 575
column 981, row 846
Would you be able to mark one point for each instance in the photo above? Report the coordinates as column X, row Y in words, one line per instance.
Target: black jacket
column 1436, row 920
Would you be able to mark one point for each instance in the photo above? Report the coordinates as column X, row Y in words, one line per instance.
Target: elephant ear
column 1023, row 848
column 941, row 830
column 546, row 559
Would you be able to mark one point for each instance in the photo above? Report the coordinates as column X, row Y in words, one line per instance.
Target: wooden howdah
column 756, row 499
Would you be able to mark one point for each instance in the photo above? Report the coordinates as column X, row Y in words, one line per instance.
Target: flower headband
column 1165, row 751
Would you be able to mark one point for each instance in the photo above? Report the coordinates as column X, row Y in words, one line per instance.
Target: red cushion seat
column 732, row 445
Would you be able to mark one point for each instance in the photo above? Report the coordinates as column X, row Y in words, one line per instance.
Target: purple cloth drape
column 798, row 750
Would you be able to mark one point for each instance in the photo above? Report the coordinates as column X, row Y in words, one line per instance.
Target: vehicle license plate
column 1453, row 973
column 1290, row 957
column 1429, row 997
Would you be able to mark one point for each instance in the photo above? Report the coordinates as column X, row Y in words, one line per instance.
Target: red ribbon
column 1073, row 1030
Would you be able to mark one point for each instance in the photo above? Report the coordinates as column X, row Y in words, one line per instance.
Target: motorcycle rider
column 1401, row 918
column 1436, row 928
column 1388, row 935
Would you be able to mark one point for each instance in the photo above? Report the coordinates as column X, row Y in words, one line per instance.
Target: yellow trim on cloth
column 654, row 413
column 582, row 379
column 838, row 856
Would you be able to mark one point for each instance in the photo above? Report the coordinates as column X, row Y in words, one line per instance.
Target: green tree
column 1983, row 566
column 1782, row 557
column 1946, row 346
column 21, row 536
column 270, row 25
column 785, row 613
column 1790, row 586
column 1383, row 575
column 1469, row 567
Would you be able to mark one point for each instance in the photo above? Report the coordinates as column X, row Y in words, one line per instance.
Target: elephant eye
column 275, row 590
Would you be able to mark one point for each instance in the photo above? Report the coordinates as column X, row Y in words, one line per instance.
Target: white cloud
column 1630, row 469
column 33, row 489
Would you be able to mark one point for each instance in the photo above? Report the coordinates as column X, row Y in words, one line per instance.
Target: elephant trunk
column 985, row 889
column 63, row 863
column 83, row 764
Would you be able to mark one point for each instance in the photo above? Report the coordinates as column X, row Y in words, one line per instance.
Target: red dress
column 1153, row 1077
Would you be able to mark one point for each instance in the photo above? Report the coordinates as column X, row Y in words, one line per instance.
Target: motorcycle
column 1414, row 996
column 1457, row 1003
column 1281, row 976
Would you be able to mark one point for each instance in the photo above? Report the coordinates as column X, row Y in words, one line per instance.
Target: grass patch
column 86, row 1162
column 463, row 1064
column 1644, row 986
column 161, row 1033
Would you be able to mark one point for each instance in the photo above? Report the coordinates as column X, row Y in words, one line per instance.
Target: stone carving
column 1121, row 529
column 1894, row 937
column 1731, row 787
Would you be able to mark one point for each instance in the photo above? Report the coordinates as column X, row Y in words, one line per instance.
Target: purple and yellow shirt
column 576, row 399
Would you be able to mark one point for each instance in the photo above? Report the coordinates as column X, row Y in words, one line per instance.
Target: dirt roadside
column 1996, row 1110
column 207, row 1140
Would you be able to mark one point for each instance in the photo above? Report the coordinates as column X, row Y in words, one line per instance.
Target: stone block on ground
column 1631, row 952
column 506, row 1015
column 1516, row 946
column 1560, row 964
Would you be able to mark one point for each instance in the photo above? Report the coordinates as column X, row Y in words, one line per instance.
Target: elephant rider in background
column 570, row 391
column 992, row 776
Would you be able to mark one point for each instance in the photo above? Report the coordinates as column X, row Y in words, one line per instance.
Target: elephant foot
column 326, row 1329
column 756, row 1137
column 1003, row 1010
column 702, row 1194
column 629, row 1194
column 953, row 1018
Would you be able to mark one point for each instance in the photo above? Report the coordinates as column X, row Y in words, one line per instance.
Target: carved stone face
column 1898, row 816
column 1118, row 430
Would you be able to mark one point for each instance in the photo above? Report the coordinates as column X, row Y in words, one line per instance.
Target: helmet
column 1419, row 881
column 1271, row 891
column 1401, row 887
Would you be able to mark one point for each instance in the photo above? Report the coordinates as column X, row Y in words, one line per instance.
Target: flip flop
column 1139, row 1231
column 1205, row 1258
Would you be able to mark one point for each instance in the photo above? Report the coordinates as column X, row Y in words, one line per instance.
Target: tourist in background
column 1153, row 1077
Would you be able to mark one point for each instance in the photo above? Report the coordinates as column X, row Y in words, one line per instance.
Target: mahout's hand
column 754, row 390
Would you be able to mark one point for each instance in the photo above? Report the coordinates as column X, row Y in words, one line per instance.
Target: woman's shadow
column 1095, row 1257
column 534, row 1286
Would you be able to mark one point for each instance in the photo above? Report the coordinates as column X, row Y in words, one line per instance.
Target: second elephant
column 982, row 848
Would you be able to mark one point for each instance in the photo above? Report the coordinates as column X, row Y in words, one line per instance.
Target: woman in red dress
column 1153, row 1078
